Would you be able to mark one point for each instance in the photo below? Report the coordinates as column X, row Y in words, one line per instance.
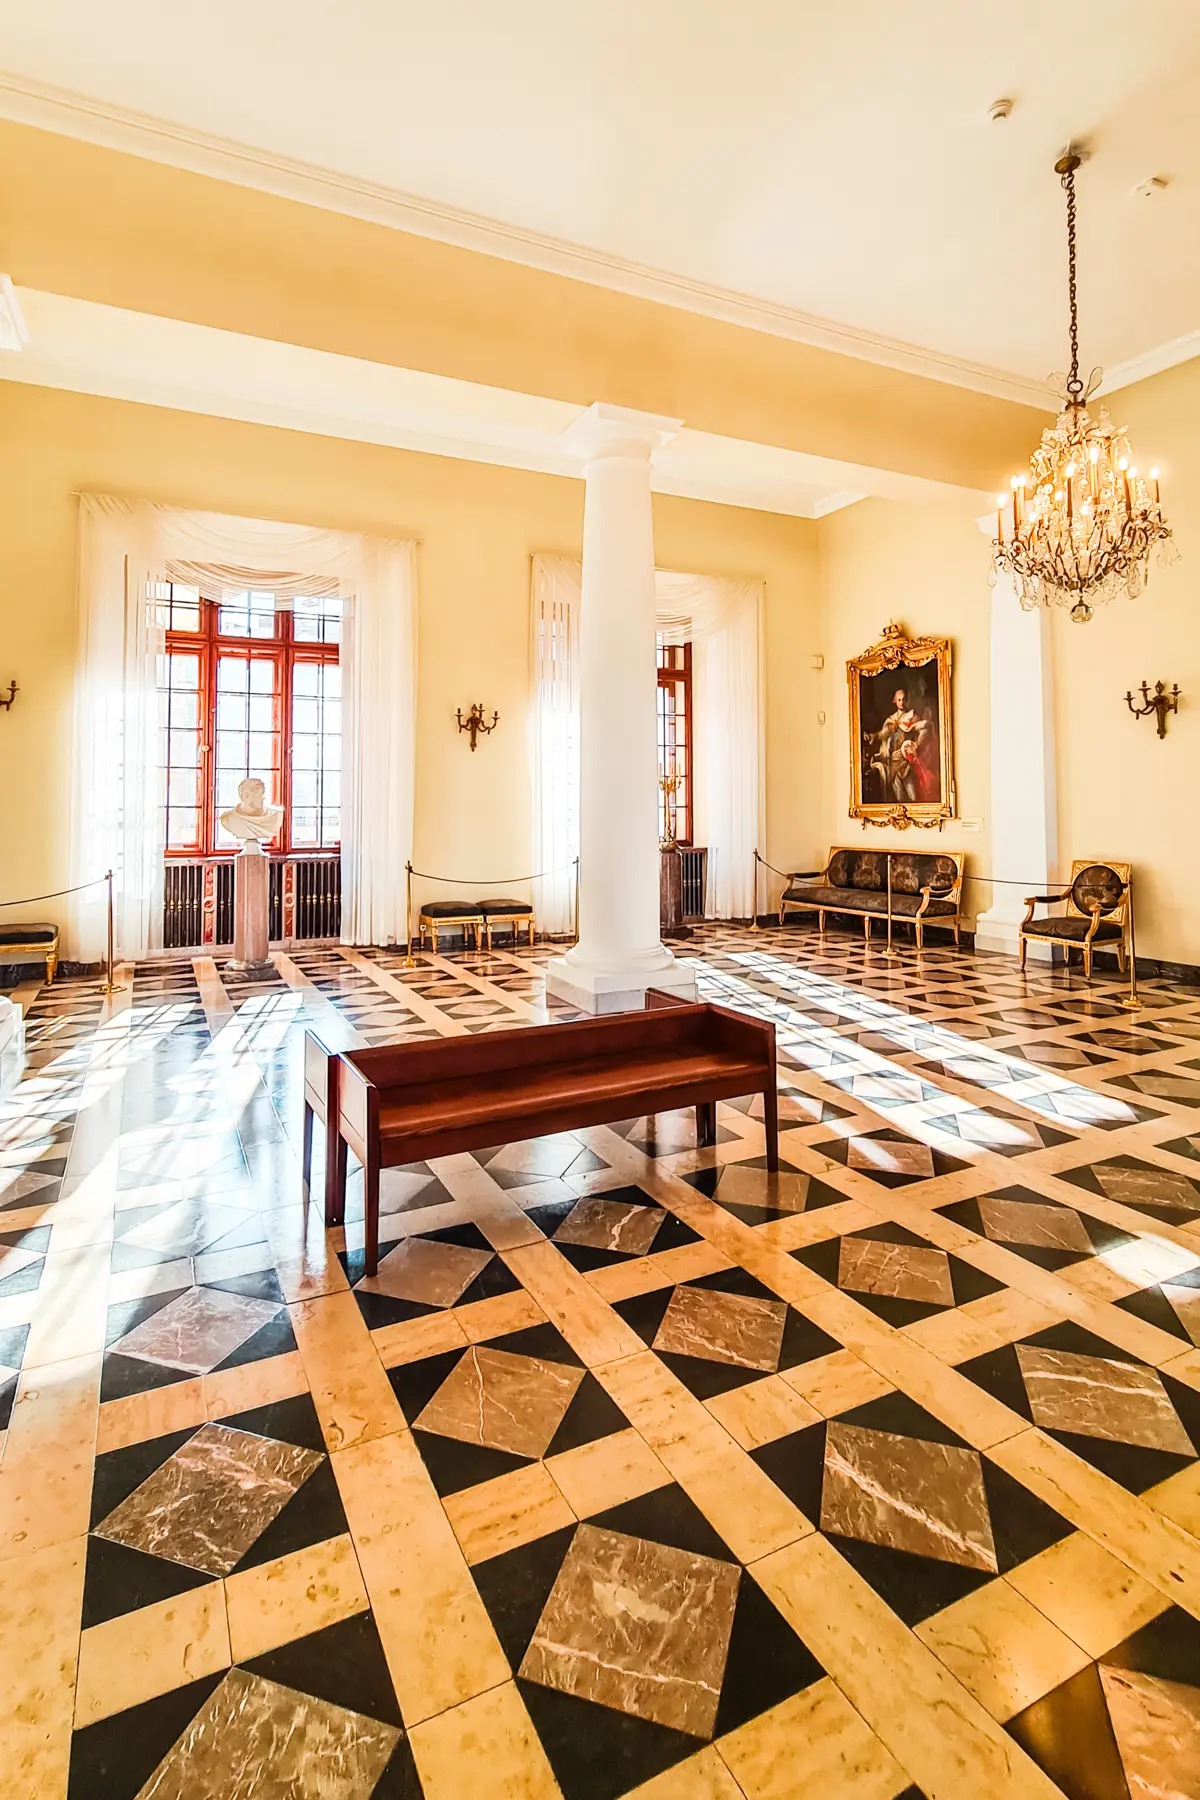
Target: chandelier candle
column 1086, row 531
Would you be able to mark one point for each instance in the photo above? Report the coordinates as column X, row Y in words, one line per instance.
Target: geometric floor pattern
column 636, row 1469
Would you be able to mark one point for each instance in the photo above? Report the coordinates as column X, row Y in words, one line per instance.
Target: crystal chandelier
column 1078, row 528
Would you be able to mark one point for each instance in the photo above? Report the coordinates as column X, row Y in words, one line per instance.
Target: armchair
column 1097, row 913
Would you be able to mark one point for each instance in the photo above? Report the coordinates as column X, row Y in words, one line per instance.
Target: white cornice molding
column 1151, row 362
column 76, row 116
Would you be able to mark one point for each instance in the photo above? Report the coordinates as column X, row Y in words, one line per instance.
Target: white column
column 619, row 953
column 1024, row 791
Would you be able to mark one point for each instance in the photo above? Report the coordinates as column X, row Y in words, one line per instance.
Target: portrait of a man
column 900, row 731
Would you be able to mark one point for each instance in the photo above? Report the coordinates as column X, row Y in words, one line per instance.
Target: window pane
column 247, row 615
column 262, row 676
column 304, row 787
column 183, row 748
column 333, row 752
column 185, row 710
column 306, row 678
column 181, row 788
column 231, row 712
column 330, row 826
column 262, row 712
column 306, row 752
column 306, row 715
column 179, row 669
column 182, row 829
column 304, row 826
column 333, row 679
column 233, row 674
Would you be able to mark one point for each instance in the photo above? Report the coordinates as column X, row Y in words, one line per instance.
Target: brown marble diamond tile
column 1148, row 1187
column 428, row 1272
column 1025, row 1222
column 505, row 1402
column 198, row 1330
column 903, row 1271
column 907, row 1494
column 637, row 1626
column 785, row 1192
column 1157, row 1727
column 602, row 1224
column 1098, row 1397
column 208, row 1503
column 256, row 1740
column 720, row 1327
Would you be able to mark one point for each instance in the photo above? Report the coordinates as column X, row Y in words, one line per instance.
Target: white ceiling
column 831, row 159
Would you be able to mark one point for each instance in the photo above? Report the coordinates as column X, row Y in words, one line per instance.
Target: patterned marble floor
column 635, row 1470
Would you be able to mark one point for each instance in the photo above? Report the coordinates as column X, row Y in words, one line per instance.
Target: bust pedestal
column 251, row 889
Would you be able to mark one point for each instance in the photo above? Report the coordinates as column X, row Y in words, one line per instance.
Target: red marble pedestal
column 251, row 886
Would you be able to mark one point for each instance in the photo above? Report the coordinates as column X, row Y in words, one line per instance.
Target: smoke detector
column 1000, row 110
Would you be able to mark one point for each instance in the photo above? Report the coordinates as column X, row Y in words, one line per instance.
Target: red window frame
column 675, row 674
column 284, row 651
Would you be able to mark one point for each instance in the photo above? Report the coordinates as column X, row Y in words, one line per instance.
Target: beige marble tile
column 592, row 1329
column 1084, row 1590
column 1178, row 1498
column 904, row 1271
column 40, row 1600
column 907, row 1494
column 514, row 1509
column 814, row 1743
column 506, row 1402
column 292, row 1742
column 1099, row 1397
column 486, row 1746
column 835, row 1383
column 954, row 1336
column 72, row 1306
column 292, row 1596
column 209, row 1502
column 46, row 1478
column 637, row 1626
column 431, row 1273
column 606, row 1473
column 762, row 1411
column 349, row 1387
column 602, row 1224
column 440, row 1645
column 936, row 1730
column 1002, row 1649
column 701, row 1777
column 138, row 1417
column 721, row 1327
column 142, row 1654
column 502, row 1313
column 410, row 1340
column 305, row 1260
column 640, row 1275
column 238, row 1390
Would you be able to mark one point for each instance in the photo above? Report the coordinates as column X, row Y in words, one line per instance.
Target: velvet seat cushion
column 29, row 934
column 451, row 909
column 1072, row 929
column 505, row 909
column 833, row 899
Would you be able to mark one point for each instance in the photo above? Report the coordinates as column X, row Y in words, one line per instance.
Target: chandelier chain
column 1074, row 384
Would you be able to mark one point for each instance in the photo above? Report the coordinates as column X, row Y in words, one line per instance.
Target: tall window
column 247, row 687
column 675, row 731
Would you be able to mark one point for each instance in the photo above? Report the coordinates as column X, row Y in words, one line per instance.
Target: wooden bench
column 409, row 1102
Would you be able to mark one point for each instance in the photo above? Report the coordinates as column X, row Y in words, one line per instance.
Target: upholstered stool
column 516, row 914
column 452, row 915
column 18, row 943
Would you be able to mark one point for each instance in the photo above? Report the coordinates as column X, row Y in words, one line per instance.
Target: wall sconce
column 1159, row 702
column 6, row 700
column 475, row 722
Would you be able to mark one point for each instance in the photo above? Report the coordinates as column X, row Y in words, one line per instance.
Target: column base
column 1001, row 936
column 620, row 990
column 12, row 1043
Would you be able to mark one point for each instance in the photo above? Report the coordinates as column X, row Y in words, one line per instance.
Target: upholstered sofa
column 926, row 888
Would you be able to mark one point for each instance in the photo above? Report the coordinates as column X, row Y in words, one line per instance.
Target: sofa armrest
column 1046, row 899
column 806, row 875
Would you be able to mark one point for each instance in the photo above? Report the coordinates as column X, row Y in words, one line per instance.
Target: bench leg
column 371, row 1213
column 306, row 1149
column 335, row 1178
column 771, row 1127
column 706, row 1123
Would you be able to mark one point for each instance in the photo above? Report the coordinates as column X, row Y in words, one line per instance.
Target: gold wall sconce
column 1159, row 702
column 476, row 722
column 6, row 700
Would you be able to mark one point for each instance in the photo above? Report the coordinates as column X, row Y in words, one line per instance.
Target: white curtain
column 554, row 760
column 117, row 798
column 722, row 620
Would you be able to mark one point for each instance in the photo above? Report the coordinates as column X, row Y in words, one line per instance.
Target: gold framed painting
column 902, row 732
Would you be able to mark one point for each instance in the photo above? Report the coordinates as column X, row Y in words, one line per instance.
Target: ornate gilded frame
column 893, row 651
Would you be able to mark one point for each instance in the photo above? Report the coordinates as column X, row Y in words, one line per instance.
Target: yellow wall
column 101, row 225
column 925, row 567
column 1122, row 792
column 477, row 526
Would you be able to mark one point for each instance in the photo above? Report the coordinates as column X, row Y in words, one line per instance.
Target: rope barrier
column 485, row 880
column 33, row 899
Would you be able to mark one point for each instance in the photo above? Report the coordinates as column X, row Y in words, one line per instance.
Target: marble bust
column 250, row 820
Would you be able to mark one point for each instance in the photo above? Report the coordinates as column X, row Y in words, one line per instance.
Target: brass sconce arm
column 6, row 700
column 476, row 722
column 1159, row 702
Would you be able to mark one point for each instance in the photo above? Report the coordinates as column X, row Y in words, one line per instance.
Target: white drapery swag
column 722, row 620
column 117, row 795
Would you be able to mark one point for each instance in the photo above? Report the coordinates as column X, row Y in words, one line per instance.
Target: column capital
column 618, row 431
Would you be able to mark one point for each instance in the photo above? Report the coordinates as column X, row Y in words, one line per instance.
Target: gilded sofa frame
column 916, row 919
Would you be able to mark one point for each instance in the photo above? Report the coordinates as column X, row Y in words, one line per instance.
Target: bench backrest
column 912, row 870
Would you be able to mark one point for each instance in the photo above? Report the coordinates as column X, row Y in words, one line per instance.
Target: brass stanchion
column 754, row 902
column 1131, row 1003
column 409, row 961
column 889, row 952
column 576, row 921
column 109, row 986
